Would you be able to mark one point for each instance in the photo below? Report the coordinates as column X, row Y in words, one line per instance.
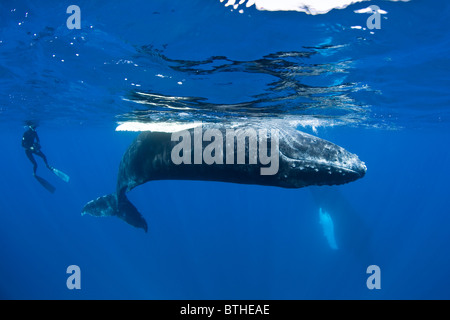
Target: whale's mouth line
column 338, row 167
column 347, row 169
column 315, row 164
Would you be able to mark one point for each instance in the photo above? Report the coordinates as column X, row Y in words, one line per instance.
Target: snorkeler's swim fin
column 47, row 185
column 61, row 174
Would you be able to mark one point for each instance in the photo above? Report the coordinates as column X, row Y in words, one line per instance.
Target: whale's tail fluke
column 109, row 206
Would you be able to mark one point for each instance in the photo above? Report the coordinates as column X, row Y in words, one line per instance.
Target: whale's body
column 302, row 160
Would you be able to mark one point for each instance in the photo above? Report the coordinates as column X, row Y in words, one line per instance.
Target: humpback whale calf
column 302, row 160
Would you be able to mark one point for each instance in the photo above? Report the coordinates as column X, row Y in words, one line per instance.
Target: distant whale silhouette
column 303, row 160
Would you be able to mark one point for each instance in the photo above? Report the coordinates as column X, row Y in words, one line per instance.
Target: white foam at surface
column 308, row 6
column 137, row 126
column 369, row 10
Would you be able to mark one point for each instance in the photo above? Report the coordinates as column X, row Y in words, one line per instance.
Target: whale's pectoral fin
column 109, row 206
column 101, row 207
column 128, row 212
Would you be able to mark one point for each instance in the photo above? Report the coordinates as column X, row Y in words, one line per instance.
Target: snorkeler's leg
column 42, row 155
column 29, row 154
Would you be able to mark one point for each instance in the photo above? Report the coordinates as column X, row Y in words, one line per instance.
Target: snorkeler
column 30, row 141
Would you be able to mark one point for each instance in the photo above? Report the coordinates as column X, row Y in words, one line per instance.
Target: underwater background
column 382, row 94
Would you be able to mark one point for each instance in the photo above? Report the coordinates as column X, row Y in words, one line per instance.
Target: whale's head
column 314, row 161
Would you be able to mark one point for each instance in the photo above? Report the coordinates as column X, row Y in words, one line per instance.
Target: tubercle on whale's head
column 343, row 167
column 356, row 169
column 319, row 162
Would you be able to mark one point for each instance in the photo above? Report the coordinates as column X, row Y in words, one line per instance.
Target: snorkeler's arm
column 37, row 144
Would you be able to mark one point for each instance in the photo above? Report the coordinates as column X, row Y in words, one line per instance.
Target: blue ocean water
column 380, row 93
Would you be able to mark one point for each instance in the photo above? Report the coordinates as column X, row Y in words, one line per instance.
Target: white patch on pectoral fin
column 101, row 207
column 328, row 228
column 122, row 208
